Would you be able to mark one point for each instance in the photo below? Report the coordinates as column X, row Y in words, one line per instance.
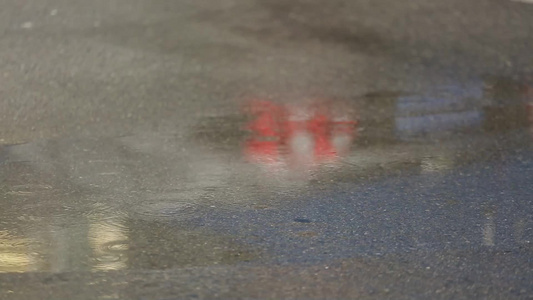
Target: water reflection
column 104, row 244
column 383, row 131
column 108, row 238
column 489, row 228
column 298, row 137
column 174, row 199
column 444, row 110
column 15, row 255
column 75, row 223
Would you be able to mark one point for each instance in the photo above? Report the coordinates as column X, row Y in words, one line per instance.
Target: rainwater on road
column 266, row 149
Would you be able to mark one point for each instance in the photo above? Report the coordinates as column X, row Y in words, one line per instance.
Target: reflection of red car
column 298, row 136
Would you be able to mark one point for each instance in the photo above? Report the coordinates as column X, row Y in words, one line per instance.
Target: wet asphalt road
column 266, row 149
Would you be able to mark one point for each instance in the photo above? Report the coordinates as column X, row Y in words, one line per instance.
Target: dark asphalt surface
column 266, row 149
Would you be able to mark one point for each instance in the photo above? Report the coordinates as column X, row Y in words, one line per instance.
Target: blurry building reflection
column 444, row 111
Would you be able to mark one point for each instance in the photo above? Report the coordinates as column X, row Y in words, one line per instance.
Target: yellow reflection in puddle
column 14, row 254
column 108, row 240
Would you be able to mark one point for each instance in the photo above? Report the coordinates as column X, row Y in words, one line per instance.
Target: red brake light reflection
column 298, row 136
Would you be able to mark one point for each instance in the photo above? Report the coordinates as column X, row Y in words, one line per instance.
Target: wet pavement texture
column 266, row 149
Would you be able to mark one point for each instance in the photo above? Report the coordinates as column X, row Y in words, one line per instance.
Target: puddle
column 230, row 188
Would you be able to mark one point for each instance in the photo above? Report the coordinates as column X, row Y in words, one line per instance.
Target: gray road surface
column 266, row 149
